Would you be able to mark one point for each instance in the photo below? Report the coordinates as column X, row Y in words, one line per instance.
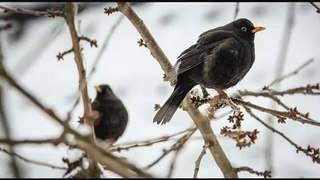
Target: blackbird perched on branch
column 219, row 60
column 112, row 118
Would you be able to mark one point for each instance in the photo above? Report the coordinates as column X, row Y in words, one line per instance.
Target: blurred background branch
column 5, row 123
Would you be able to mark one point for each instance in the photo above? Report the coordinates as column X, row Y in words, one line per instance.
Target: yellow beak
column 98, row 89
column 257, row 29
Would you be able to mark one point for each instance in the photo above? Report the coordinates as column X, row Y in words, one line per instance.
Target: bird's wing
column 208, row 40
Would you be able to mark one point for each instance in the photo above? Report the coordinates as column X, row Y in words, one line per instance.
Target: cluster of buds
column 71, row 165
column 311, row 152
column 197, row 101
column 142, row 43
column 243, row 138
column 110, row 10
column 236, row 118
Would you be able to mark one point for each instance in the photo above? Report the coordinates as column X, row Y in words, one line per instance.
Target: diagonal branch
column 154, row 48
column 296, row 71
column 200, row 120
column 31, row 161
column 315, row 6
column 198, row 161
column 54, row 141
column 291, row 114
column 48, row 13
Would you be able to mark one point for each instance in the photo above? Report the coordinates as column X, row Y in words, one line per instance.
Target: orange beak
column 98, row 89
column 257, row 29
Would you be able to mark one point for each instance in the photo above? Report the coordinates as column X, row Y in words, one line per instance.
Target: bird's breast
column 226, row 68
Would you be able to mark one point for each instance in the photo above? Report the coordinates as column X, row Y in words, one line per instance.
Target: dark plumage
column 113, row 116
column 219, row 60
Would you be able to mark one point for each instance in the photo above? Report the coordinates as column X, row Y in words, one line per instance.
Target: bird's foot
column 227, row 100
column 110, row 141
column 221, row 92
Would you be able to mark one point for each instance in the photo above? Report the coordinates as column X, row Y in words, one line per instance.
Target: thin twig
column 72, row 109
column 298, row 148
column 287, row 114
column 296, row 71
column 173, row 163
column 236, row 11
column 299, row 90
column 249, row 111
column 54, row 141
column 61, row 55
column 176, row 146
column 48, row 13
column 32, row 161
column 263, row 94
column 265, row 174
column 105, row 45
column 198, row 161
column 127, row 146
column 309, row 89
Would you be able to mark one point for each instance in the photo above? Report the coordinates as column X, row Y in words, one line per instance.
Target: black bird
column 219, row 60
column 112, row 118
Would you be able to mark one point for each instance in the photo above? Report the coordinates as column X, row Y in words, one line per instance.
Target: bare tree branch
column 6, row 125
column 314, row 5
column 309, row 89
column 198, row 161
column 175, row 147
column 54, row 141
column 236, row 11
column 291, row 114
column 69, row 17
column 48, row 13
column 150, row 142
column 172, row 164
column 296, row 71
column 265, row 174
column 114, row 164
column 32, row 161
column 105, row 45
column 298, row 148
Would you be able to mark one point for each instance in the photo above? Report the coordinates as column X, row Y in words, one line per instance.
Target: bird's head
column 103, row 89
column 245, row 29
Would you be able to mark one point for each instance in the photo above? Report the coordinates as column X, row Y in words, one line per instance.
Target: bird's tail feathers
column 166, row 112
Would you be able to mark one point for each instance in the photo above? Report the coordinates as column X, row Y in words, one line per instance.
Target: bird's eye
column 244, row 29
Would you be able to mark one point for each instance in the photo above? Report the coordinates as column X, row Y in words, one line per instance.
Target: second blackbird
column 112, row 118
column 219, row 60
